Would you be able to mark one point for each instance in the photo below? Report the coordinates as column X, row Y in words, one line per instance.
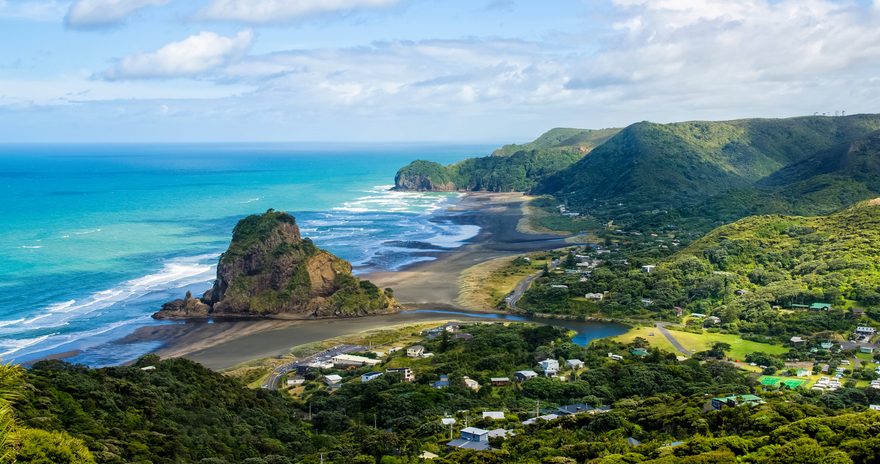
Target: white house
column 522, row 376
column 471, row 383
column 406, row 373
column 494, row 415
column 575, row 364
column 865, row 330
column 615, row 357
column 370, row 376
column 549, row 366
column 295, row 382
column 595, row 296
column 415, row 351
column 332, row 380
column 649, row 268
column 345, row 360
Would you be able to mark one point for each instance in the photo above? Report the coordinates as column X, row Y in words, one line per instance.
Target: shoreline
column 432, row 285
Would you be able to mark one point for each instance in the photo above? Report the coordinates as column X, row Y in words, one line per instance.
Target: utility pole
column 310, row 412
column 375, row 421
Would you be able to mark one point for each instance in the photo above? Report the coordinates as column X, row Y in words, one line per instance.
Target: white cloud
column 193, row 56
column 99, row 13
column 271, row 11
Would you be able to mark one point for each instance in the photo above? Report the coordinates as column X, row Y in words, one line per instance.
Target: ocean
column 94, row 238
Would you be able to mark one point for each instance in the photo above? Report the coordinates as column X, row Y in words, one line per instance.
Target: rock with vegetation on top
column 270, row 270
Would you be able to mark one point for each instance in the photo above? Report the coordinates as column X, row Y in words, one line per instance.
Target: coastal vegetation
column 758, row 276
column 642, row 406
column 510, row 168
column 270, row 269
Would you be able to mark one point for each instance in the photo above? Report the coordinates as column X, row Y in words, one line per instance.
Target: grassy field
column 739, row 347
column 548, row 220
column 651, row 334
column 700, row 342
column 484, row 286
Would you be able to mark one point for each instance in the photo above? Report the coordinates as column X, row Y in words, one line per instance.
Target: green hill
column 731, row 167
column 510, row 168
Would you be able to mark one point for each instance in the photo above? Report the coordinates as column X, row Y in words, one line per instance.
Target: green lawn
column 739, row 347
column 657, row 340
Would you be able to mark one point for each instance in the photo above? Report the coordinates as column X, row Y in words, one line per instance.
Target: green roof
column 639, row 351
column 820, row 306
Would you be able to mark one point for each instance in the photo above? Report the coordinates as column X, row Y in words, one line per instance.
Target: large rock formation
column 270, row 270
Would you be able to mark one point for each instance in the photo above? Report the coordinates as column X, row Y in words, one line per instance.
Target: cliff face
column 269, row 269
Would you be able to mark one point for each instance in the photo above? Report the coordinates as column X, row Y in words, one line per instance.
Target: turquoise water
column 94, row 238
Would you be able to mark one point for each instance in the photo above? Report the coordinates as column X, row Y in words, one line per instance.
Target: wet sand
column 425, row 285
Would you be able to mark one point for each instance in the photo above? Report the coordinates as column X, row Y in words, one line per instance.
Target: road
column 274, row 380
column 661, row 326
column 524, row 285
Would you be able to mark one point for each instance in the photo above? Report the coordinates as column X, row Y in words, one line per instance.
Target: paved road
column 274, row 380
column 661, row 326
column 524, row 285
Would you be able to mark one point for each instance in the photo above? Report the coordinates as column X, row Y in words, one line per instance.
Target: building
column 826, row 345
column 550, row 367
column 875, row 407
column 415, row 351
column 471, row 383
column 370, row 376
column 406, row 374
column 546, row 417
column 447, row 420
column 595, row 296
column 427, row 455
column 443, row 382
column 820, row 307
column 736, row 400
column 494, row 415
column 713, row 320
column 333, row 380
column 615, row 357
column 564, row 287
column 856, row 313
column 865, row 330
column 500, row 381
column 472, row 438
column 295, row 382
column 649, row 268
column 522, row 376
column 347, row 360
column 803, row 373
column 575, row 364
column 572, row 409
column 797, row 340
column 866, row 349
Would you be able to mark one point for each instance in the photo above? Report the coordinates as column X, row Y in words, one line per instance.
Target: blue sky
column 420, row 70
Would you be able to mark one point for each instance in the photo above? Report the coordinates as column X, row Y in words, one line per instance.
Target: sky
column 421, row 70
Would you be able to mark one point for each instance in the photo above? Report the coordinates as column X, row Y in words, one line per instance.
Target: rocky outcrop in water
column 270, row 270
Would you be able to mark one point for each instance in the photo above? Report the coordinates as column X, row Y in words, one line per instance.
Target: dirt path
column 661, row 326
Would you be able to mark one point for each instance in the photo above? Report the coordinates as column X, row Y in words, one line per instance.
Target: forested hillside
column 510, row 168
column 722, row 171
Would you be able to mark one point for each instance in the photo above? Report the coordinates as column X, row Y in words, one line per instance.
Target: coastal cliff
column 270, row 270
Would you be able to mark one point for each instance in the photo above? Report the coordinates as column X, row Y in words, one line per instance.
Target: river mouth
column 586, row 331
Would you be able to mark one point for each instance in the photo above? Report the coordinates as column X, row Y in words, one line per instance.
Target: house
column 546, row 417
column 462, row 336
column 564, row 287
column 148, row 368
column 826, row 345
column 595, row 296
column 797, row 340
column 632, row 442
column 472, row 438
column 575, row 364
column 866, row 349
column 820, row 307
column 856, row 313
column 698, row 315
column 333, row 380
column 370, row 376
column 427, row 455
column 443, row 382
column 649, row 268
column 500, row 381
column 741, row 292
column 803, row 373
column 549, row 366
column 736, row 400
column 875, row 407
column 713, row 320
column 639, row 352
column 415, row 351
column 572, row 409
column 865, row 330
column 647, row 301
column 406, row 374
column 522, row 376
column 447, row 420
column 347, row 360
column 615, row 357
column 494, row 415
column 295, row 382
column 471, row 383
